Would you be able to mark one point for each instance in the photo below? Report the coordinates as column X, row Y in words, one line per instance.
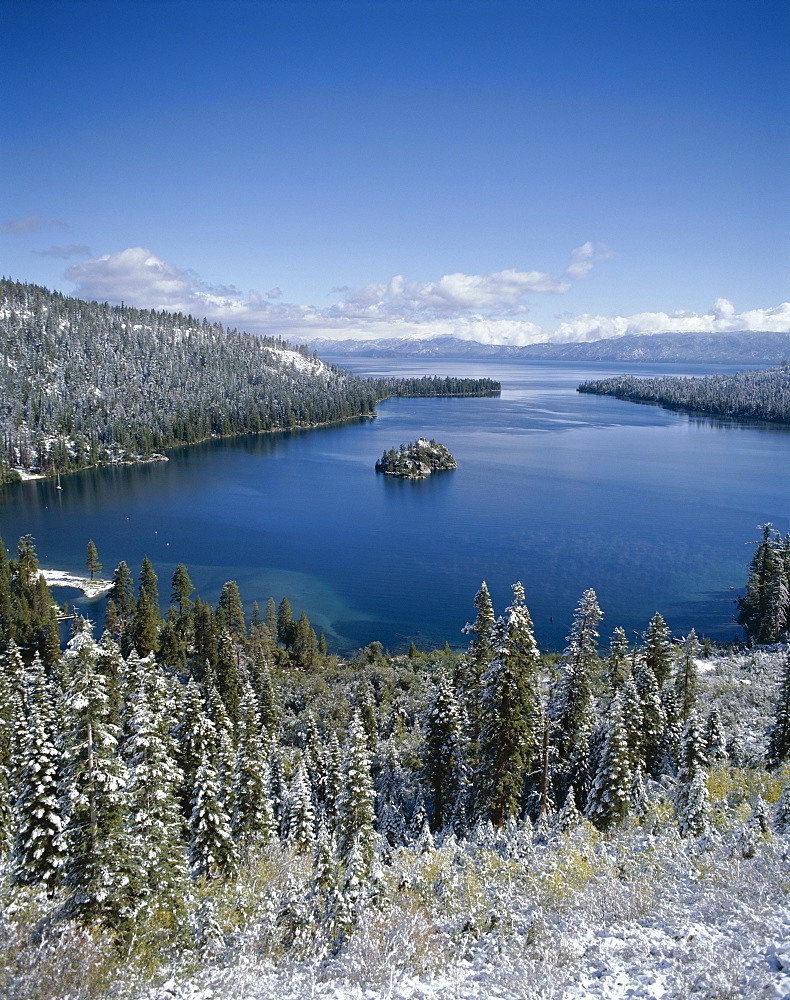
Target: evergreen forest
column 201, row 801
column 84, row 383
column 747, row 395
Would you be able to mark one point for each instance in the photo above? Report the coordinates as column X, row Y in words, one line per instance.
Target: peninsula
column 417, row 460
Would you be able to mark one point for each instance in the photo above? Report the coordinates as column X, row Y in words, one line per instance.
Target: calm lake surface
column 563, row 491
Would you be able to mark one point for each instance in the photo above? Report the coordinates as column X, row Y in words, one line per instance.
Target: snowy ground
column 683, row 922
column 91, row 588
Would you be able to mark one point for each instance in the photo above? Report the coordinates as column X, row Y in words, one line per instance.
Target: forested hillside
column 211, row 805
column 83, row 383
column 757, row 395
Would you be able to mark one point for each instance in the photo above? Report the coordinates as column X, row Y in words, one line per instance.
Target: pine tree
column 230, row 611
column 658, row 651
column 211, row 849
column 691, row 799
column 572, row 700
column 195, row 737
column 356, row 800
column 754, row 603
column 154, row 820
column 653, row 719
column 301, row 816
column 182, row 589
column 609, row 799
column 481, row 649
column 285, row 623
column 205, row 639
column 686, row 676
column 93, row 564
column 252, row 822
column 304, row 643
column 224, row 749
column 145, row 625
column 511, row 713
column 227, row 676
column 782, row 812
column 270, row 621
column 618, row 668
column 569, row 817
column 97, row 870
column 715, row 740
column 443, row 767
column 333, row 767
column 779, row 737
column 122, row 596
column 149, row 582
column 776, row 617
column 38, row 849
column 268, row 703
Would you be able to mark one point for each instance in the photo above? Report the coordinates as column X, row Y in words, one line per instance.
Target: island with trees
column 417, row 460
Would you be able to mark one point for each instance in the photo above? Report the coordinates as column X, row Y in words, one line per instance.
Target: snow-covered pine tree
column 481, row 649
column 775, row 621
column 571, row 705
column 658, row 648
column 632, row 713
column 617, row 667
column 639, row 797
column 653, row 719
column 715, row 739
column 781, row 819
column 160, row 879
column 443, row 769
column 356, row 835
column 301, row 816
column 762, row 572
column 686, row 675
column 252, row 819
column 99, row 859
column 268, row 702
column 691, row 797
column 569, row 816
column 212, row 852
column 390, row 805
column 224, row 745
column 511, row 713
column 39, row 855
column 333, row 767
column 608, row 802
column 227, row 675
column 194, row 732
column 779, row 737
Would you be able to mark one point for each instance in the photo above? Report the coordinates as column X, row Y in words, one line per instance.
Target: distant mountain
column 744, row 346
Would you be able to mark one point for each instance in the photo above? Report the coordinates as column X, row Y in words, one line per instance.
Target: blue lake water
column 563, row 491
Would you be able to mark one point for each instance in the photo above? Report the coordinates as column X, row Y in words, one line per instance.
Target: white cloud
column 720, row 318
column 134, row 276
column 452, row 295
column 585, row 257
column 489, row 308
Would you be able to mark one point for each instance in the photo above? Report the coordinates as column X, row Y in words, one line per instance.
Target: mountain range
column 743, row 346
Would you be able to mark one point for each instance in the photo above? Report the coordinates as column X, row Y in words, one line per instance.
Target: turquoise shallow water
column 564, row 491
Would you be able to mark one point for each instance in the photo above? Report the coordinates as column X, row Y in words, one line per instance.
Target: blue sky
column 507, row 172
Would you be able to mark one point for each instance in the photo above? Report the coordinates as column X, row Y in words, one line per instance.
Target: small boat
column 57, row 485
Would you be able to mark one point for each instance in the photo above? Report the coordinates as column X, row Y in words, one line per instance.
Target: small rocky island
column 416, row 461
